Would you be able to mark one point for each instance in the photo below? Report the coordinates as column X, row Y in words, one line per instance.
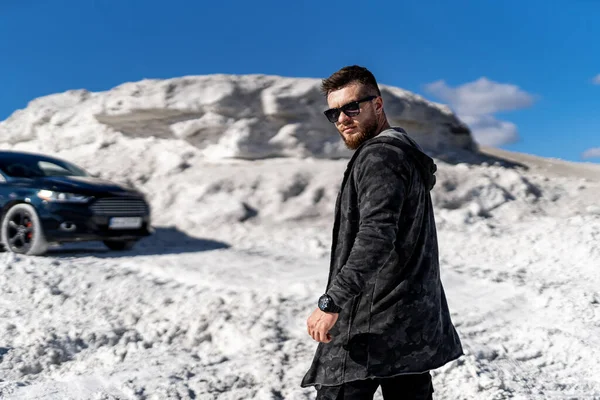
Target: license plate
column 125, row 223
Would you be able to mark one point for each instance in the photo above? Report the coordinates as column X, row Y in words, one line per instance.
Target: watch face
column 327, row 304
column 323, row 302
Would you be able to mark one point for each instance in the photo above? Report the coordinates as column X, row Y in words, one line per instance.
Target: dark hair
column 348, row 75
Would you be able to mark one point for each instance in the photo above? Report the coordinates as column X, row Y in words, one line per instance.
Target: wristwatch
column 327, row 304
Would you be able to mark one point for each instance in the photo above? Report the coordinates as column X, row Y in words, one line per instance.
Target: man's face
column 354, row 130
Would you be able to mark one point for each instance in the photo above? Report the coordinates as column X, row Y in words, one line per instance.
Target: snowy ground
column 219, row 313
column 214, row 305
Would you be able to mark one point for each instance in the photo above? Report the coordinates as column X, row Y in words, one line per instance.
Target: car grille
column 119, row 206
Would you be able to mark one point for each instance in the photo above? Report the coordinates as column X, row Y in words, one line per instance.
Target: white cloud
column 489, row 131
column 481, row 96
column 591, row 153
column 476, row 102
column 596, row 80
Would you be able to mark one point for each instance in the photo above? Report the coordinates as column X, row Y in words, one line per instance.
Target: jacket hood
column 425, row 164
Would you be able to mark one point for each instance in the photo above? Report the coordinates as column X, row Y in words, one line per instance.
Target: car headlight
column 62, row 197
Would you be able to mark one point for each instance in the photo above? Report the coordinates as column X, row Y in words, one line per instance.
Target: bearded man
column 383, row 319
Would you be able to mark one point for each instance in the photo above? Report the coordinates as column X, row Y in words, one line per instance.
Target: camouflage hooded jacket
column 384, row 269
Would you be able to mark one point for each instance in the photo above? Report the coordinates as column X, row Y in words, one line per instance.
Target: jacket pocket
column 353, row 311
column 351, row 317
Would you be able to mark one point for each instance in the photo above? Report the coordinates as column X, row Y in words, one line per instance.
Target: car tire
column 120, row 245
column 22, row 231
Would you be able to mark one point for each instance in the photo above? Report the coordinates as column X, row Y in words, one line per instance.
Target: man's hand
column 319, row 324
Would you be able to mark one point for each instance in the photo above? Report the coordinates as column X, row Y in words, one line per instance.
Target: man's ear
column 379, row 105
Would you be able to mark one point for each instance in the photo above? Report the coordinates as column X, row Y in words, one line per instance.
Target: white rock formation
column 225, row 116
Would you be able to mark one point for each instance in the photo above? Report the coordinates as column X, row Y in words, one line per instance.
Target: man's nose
column 343, row 118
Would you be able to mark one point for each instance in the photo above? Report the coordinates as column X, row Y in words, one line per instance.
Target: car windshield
column 31, row 167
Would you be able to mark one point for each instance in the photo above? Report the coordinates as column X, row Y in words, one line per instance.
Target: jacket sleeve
column 381, row 179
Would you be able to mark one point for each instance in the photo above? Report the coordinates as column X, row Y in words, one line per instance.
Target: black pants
column 402, row 387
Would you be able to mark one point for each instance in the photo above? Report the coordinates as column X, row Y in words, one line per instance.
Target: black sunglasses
column 351, row 109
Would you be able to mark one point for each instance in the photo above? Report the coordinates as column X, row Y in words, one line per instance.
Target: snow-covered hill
column 247, row 116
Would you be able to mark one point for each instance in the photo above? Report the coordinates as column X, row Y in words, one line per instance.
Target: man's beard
column 369, row 131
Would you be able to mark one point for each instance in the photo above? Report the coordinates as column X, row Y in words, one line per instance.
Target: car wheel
column 22, row 231
column 120, row 245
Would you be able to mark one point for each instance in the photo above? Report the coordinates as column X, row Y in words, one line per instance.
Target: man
column 384, row 319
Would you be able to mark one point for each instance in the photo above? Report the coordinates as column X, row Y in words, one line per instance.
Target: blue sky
column 520, row 72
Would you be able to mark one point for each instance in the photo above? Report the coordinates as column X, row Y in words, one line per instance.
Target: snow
column 214, row 305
